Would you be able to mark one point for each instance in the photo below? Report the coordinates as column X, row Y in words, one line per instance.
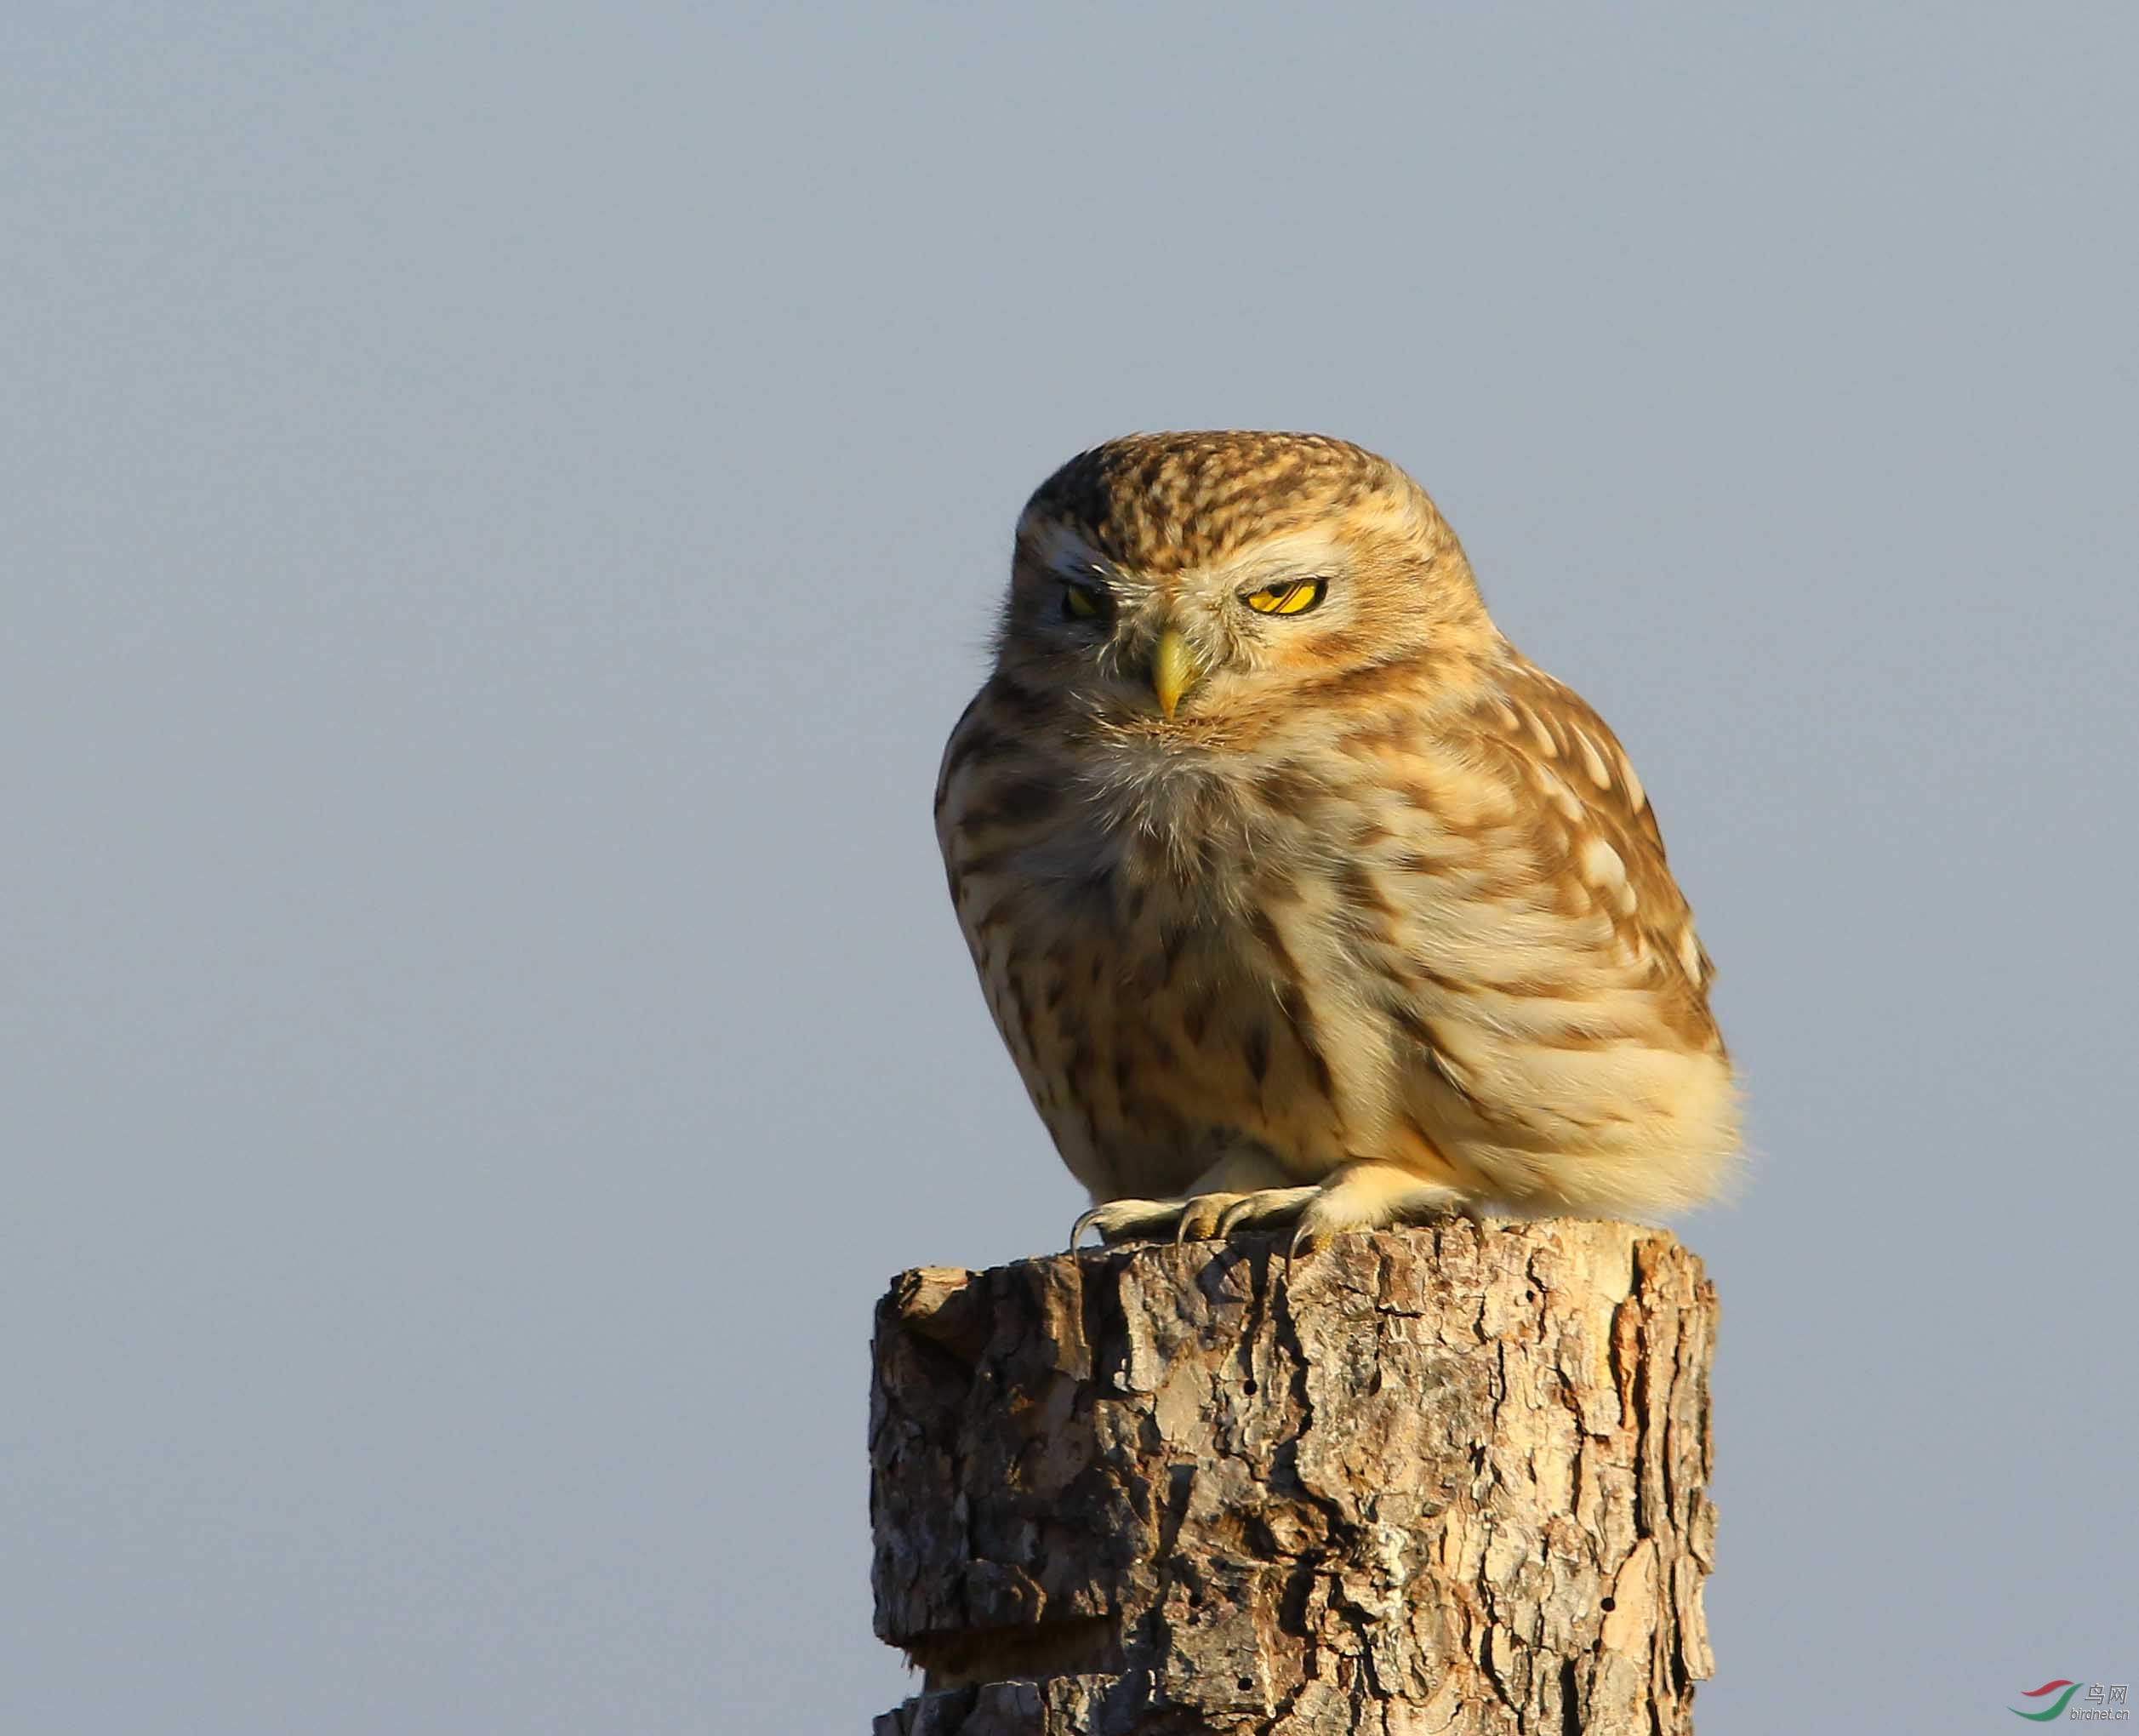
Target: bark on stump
column 1448, row 1479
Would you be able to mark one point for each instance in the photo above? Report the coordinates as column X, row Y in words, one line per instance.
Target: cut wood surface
column 1446, row 1479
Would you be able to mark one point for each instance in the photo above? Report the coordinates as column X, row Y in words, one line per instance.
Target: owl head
column 1179, row 585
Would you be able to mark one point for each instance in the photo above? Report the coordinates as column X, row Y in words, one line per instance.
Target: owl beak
column 1173, row 670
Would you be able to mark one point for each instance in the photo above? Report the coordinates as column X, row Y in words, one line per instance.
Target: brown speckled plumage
column 1375, row 922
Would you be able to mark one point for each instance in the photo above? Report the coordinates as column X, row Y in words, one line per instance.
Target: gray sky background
column 502, row 506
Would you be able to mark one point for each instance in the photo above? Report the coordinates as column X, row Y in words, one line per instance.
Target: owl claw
column 1203, row 1216
column 1266, row 1206
column 1118, row 1220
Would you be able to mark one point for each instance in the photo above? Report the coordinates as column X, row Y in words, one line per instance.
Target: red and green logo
column 2055, row 1706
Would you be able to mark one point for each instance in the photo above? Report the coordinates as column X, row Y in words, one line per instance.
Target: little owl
column 1298, row 894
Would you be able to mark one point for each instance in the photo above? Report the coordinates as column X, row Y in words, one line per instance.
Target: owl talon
column 1123, row 1220
column 1203, row 1216
column 1265, row 1207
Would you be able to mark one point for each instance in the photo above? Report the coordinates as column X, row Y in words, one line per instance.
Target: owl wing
column 1592, row 831
column 1535, row 961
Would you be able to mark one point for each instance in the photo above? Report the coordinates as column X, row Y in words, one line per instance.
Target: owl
column 1299, row 896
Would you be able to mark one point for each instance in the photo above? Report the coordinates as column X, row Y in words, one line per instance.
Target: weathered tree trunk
column 1446, row 1479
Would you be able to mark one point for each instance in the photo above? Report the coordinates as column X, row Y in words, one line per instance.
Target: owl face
column 1178, row 586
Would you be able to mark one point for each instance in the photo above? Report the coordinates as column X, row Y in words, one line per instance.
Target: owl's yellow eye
column 1296, row 598
column 1079, row 602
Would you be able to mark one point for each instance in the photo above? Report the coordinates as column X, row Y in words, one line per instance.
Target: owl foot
column 1206, row 1217
column 1198, row 1217
column 1358, row 1195
column 1244, row 1173
column 1263, row 1209
column 1366, row 1196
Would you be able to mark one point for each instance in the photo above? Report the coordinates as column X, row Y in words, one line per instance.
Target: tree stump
column 1447, row 1479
